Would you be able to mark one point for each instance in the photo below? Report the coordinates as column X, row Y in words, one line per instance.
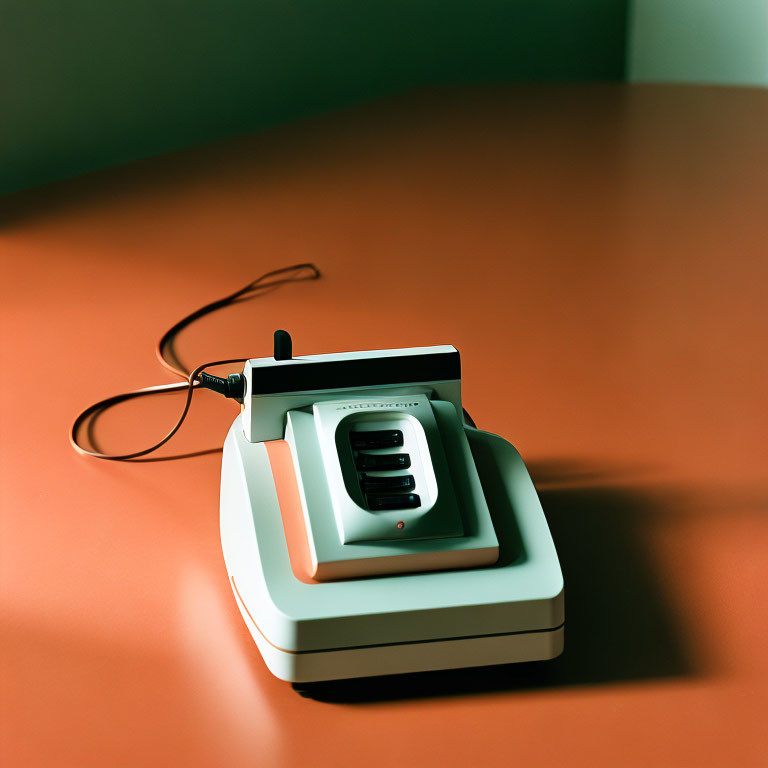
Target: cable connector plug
column 233, row 386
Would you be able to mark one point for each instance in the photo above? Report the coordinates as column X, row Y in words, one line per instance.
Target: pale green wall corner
column 698, row 41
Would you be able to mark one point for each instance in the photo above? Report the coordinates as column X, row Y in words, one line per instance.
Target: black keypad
column 388, row 492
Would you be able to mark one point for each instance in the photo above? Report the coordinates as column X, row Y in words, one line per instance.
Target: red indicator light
column 400, row 524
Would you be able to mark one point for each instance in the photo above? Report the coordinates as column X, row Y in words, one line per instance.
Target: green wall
column 86, row 84
column 700, row 41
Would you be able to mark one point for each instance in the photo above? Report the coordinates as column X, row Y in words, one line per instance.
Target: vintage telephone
column 368, row 528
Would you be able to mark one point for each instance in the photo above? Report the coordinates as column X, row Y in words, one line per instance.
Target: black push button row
column 382, row 461
column 380, row 438
column 396, row 484
column 399, row 501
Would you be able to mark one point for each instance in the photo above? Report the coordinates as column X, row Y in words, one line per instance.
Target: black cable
column 232, row 386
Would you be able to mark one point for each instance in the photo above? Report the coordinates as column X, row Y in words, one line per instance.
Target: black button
column 382, row 438
column 387, row 484
column 398, row 501
column 382, row 461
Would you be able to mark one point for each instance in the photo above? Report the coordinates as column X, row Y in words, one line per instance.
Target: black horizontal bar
column 379, row 438
column 398, row 501
column 382, row 461
column 387, row 484
column 343, row 374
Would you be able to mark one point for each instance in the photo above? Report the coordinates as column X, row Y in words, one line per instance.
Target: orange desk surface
column 599, row 254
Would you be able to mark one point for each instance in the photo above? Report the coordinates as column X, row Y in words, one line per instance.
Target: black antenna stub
column 283, row 345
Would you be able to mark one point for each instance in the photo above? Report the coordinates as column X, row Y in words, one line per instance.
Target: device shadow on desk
column 620, row 625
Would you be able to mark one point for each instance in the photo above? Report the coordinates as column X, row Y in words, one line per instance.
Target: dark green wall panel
column 89, row 84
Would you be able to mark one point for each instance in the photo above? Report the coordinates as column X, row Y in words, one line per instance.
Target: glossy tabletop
column 599, row 255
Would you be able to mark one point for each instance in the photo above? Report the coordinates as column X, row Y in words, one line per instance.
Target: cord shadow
column 619, row 627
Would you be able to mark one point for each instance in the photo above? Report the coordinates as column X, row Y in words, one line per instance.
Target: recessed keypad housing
column 387, row 473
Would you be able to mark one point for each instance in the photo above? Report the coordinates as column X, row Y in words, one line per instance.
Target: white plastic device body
column 465, row 575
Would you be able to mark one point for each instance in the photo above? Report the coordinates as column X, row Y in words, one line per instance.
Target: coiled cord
column 196, row 378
